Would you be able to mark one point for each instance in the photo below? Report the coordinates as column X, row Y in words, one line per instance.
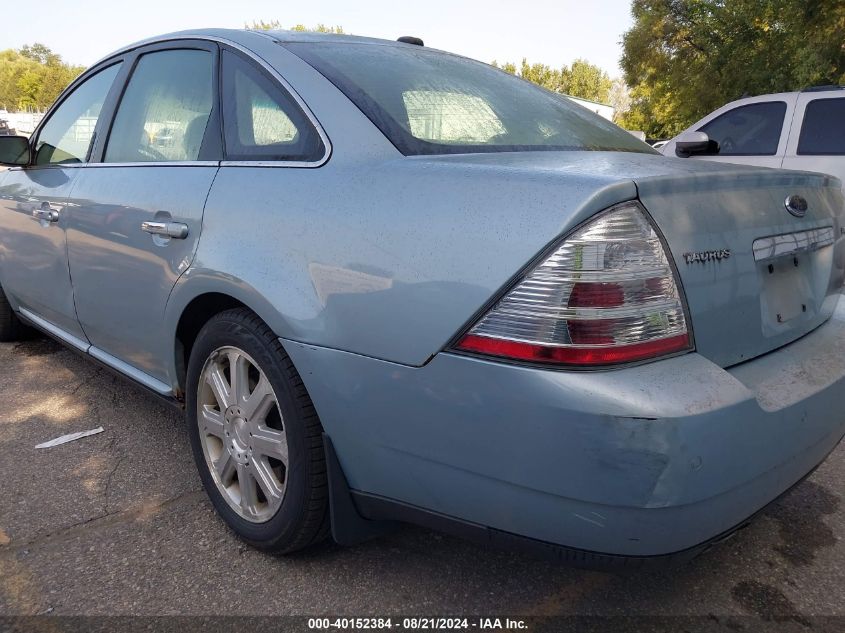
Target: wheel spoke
column 249, row 490
column 270, row 443
column 260, row 401
column 225, row 468
column 239, row 377
column 212, row 422
column 266, row 478
column 220, row 386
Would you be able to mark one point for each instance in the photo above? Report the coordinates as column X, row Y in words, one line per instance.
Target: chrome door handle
column 176, row 230
column 48, row 215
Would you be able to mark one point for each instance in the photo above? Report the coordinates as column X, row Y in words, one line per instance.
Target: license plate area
column 794, row 271
column 787, row 297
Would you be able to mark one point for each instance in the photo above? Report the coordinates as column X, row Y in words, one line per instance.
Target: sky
column 553, row 32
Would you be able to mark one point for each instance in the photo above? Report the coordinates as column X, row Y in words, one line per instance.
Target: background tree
column 582, row 79
column 40, row 53
column 685, row 58
column 276, row 25
column 32, row 77
column 587, row 81
column 620, row 98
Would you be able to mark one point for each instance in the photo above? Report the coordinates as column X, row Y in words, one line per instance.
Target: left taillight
column 606, row 295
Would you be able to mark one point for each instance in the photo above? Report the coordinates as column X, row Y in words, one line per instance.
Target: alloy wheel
column 242, row 434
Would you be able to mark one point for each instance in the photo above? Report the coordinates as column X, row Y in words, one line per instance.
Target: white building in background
column 602, row 109
column 22, row 122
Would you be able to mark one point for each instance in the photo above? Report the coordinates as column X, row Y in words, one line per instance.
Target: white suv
column 793, row 130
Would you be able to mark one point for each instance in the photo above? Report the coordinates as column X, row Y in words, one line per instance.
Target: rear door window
column 749, row 130
column 165, row 109
column 261, row 120
column 823, row 129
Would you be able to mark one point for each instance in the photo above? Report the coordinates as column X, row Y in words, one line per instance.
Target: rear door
column 33, row 207
column 817, row 140
column 136, row 214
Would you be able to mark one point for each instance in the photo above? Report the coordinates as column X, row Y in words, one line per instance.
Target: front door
column 136, row 215
column 33, row 210
column 751, row 134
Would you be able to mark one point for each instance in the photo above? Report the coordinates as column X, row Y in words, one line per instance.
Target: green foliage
column 588, row 82
column 31, row 78
column 40, row 53
column 685, row 58
column 275, row 25
column 582, row 79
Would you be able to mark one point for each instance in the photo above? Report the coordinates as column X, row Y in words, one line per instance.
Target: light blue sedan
column 388, row 283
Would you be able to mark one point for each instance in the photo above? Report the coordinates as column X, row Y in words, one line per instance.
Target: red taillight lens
column 606, row 295
column 573, row 356
column 594, row 294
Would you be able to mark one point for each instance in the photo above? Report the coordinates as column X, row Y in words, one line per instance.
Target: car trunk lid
column 755, row 275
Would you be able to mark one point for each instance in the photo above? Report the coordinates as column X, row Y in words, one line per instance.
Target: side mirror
column 691, row 143
column 14, row 150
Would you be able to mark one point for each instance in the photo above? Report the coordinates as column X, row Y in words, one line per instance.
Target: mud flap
column 348, row 526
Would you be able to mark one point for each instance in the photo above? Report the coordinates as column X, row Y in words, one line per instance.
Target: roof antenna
column 410, row 39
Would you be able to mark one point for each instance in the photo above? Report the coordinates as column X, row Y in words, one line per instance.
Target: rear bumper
column 643, row 461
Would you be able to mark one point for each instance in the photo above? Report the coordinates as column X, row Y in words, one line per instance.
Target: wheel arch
column 196, row 298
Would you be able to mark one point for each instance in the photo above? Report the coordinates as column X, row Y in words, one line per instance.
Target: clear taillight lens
column 606, row 295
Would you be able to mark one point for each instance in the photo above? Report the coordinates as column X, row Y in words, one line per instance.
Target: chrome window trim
column 275, row 163
column 774, row 246
column 162, row 163
column 195, row 163
column 47, row 166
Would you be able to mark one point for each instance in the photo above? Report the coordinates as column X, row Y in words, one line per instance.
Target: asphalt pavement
column 117, row 524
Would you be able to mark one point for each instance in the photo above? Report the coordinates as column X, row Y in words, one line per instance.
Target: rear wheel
column 11, row 329
column 255, row 436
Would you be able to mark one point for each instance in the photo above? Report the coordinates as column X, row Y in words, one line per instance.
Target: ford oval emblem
column 796, row 205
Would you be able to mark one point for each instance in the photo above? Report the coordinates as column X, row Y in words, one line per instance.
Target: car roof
column 308, row 36
column 246, row 36
column 838, row 91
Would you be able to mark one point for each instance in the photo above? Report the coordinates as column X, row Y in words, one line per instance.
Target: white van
column 794, row 130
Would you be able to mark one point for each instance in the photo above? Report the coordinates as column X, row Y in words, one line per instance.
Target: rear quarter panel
column 383, row 258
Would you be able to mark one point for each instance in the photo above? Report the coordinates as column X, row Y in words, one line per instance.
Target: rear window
column 430, row 102
column 823, row 130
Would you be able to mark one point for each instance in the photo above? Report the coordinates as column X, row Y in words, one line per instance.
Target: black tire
column 11, row 328
column 302, row 519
